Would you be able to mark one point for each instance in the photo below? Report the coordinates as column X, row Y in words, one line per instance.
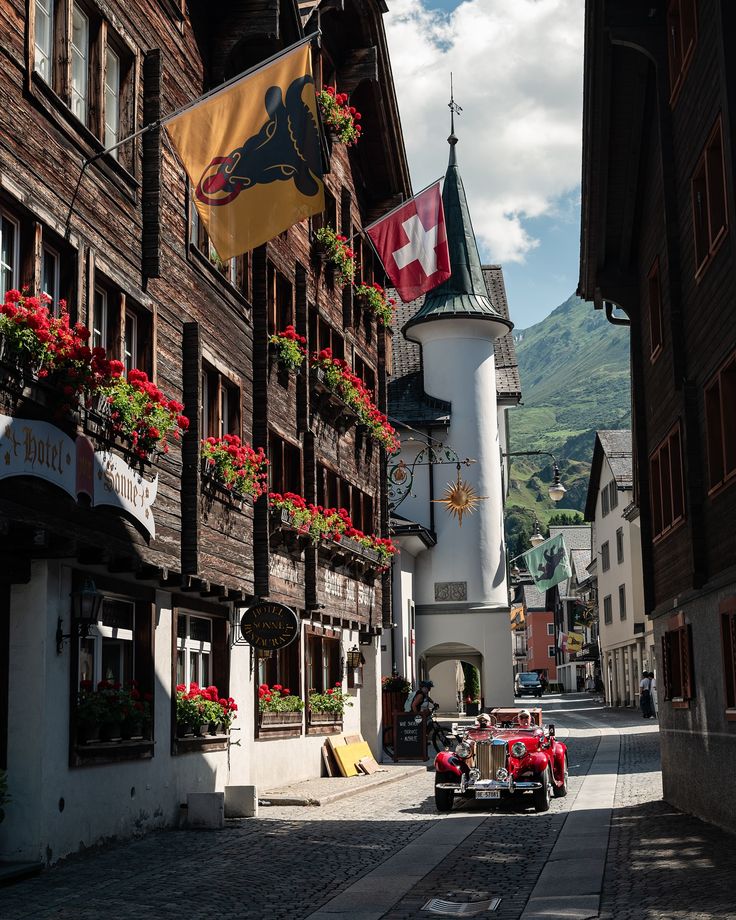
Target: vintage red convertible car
column 503, row 760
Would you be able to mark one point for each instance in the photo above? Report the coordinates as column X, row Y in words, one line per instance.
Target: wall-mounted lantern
column 86, row 605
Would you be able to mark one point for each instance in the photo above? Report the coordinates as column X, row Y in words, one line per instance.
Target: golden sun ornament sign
column 460, row 499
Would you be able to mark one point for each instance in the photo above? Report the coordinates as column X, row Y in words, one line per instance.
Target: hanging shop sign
column 269, row 626
column 39, row 449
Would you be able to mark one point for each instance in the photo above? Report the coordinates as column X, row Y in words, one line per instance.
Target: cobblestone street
column 290, row 861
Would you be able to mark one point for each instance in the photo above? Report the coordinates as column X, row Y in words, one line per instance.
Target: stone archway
column 440, row 662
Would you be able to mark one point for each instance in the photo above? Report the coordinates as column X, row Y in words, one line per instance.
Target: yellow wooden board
column 349, row 755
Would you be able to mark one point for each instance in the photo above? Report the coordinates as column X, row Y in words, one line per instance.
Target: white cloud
column 517, row 71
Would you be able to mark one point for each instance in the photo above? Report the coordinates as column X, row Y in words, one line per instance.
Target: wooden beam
column 122, row 564
column 360, row 65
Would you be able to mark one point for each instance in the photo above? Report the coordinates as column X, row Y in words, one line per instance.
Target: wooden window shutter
column 221, row 655
column 151, row 179
column 686, row 662
column 666, row 668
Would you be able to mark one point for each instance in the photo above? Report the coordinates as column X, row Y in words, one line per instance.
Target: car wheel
column 443, row 798
column 542, row 796
column 561, row 791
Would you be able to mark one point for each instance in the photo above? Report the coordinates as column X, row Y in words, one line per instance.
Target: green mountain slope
column 574, row 368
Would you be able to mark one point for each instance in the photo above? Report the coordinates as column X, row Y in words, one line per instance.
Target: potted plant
column 337, row 253
column 341, row 118
column 90, row 713
column 203, row 710
column 289, row 348
column 235, row 465
column 374, row 298
column 278, row 707
column 141, row 415
column 328, row 708
column 394, row 691
column 350, row 388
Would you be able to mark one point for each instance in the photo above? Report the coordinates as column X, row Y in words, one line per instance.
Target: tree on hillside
column 563, row 519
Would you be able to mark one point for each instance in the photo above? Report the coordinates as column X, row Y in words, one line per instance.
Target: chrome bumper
column 463, row 787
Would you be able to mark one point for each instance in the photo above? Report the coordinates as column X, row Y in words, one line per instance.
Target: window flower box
column 324, row 723
column 330, row 404
column 280, row 719
column 333, row 250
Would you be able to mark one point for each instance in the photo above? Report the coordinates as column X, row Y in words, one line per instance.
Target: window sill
column 708, row 259
column 728, row 480
column 731, row 715
column 199, row 744
column 105, row 752
column 88, row 144
column 276, row 732
column 680, row 704
column 670, row 530
column 655, row 354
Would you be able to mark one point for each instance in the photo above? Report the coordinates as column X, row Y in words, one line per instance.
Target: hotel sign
column 269, row 626
column 39, row 449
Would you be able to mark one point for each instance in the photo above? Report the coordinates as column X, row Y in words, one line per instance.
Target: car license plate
column 488, row 794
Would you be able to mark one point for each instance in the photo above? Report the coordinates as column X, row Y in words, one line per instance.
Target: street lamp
column 536, row 538
column 556, row 490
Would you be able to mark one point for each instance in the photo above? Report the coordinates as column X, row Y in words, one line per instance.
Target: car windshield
column 528, row 678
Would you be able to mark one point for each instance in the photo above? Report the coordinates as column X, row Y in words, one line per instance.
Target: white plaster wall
column 459, row 366
column 415, row 507
column 402, row 592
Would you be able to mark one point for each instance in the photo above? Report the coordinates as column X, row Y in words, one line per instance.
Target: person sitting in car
column 525, row 719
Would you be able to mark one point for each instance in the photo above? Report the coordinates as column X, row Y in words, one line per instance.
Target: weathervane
column 454, row 108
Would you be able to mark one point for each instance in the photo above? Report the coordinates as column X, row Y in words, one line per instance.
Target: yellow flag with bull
column 252, row 152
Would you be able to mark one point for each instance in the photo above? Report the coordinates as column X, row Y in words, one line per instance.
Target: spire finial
column 455, row 109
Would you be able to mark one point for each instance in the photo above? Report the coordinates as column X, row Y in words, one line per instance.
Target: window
column 281, row 667
column 280, row 302
column 620, row 545
column 605, row 557
column 44, row 38
column 607, row 609
column 612, row 494
column 108, row 654
column 323, row 662
column 334, row 492
column 709, row 199
column 622, row 602
column 681, row 38
column 220, row 404
column 80, row 62
column 720, row 398
column 9, row 238
column 76, row 52
column 551, row 651
column 236, row 271
column 328, row 217
column 201, row 651
column 550, row 629
column 667, row 495
column 322, row 335
column 193, row 650
column 727, row 610
column 284, row 465
column 366, row 374
column 123, row 329
column 655, row 312
column 51, row 275
column 605, row 501
column 677, row 661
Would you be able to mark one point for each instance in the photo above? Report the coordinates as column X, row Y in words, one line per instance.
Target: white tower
column 461, row 590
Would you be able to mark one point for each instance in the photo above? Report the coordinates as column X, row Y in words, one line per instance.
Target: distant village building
column 541, row 641
column 153, row 547
column 624, row 631
column 455, row 375
column 658, row 254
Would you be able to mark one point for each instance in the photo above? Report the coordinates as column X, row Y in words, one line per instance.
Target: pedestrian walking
column 653, row 694
column 645, row 696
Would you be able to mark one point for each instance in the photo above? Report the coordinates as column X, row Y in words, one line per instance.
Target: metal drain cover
column 464, row 909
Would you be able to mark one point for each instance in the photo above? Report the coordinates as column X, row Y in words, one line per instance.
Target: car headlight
column 518, row 749
column 462, row 749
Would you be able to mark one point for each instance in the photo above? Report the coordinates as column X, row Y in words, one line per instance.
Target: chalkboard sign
column 410, row 737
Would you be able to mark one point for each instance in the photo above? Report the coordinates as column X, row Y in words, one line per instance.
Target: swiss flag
column 411, row 241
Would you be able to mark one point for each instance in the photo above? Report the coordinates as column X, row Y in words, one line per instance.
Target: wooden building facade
column 175, row 558
column 658, row 242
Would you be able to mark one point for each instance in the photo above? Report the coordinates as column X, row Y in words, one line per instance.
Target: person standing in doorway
column 645, row 696
column 653, row 693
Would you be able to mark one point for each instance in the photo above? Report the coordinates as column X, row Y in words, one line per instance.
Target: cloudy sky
column 517, row 73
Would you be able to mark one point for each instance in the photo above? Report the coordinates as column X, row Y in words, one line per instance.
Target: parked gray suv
column 527, row 682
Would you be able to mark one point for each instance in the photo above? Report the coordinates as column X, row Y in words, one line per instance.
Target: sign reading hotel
column 269, row 626
column 39, row 449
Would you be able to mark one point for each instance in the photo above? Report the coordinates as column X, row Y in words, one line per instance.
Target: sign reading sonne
column 269, row 626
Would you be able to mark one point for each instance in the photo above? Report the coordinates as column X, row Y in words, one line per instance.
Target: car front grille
column 490, row 756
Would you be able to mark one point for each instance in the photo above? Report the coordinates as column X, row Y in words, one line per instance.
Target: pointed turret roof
column 464, row 294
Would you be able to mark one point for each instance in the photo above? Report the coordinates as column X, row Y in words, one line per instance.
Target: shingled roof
column 407, row 400
column 616, row 447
